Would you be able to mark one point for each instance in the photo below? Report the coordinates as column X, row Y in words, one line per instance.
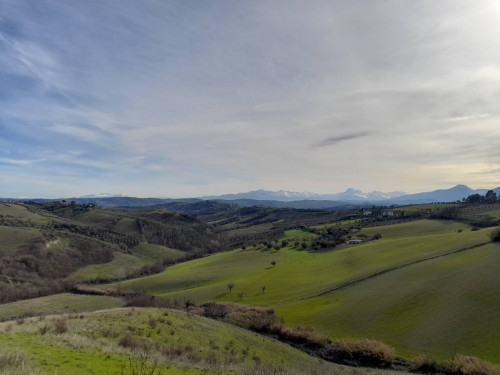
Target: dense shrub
column 447, row 213
column 305, row 336
column 128, row 341
column 462, row 365
column 485, row 222
column 425, row 364
column 60, row 326
column 495, row 235
column 362, row 352
column 215, row 310
column 250, row 317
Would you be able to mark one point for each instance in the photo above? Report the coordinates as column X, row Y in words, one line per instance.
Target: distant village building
column 367, row 213
column 355, row 242
column 388, row 213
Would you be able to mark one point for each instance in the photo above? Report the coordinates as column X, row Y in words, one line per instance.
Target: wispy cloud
column 489, row 171
column 75, row 131
column 331, row 141
column 19, row 162
column 193, row 99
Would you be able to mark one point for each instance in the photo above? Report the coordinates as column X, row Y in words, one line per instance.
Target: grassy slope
column 493, row 213
column 444, row 306
column 297, row 234
column 58, row 303
column 425, row 207
column 336, row 223
column 415, row 229
column 126, row 264
column 91, row 344
column 12, row 237
column 299, row 274
column 12, row 210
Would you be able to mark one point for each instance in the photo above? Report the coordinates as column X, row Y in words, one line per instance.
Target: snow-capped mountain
column 104, row 195
column 288, row 196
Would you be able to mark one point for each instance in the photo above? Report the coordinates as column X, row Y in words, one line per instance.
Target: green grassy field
column 295, row 284
column 493, row 213
column 20, row 211
column 297, row 234
column 102, row 343
column 345, row 222
column 57, row 303
column 445, row 306
column 428, row 207
column 126, row 264
column 415, row 229
column 11, row 237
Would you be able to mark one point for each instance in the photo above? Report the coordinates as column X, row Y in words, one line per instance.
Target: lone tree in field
column 230, row 286
column 263, row 289
column 273, row 263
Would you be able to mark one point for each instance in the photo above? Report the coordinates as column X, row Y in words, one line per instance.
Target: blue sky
column 190, row 98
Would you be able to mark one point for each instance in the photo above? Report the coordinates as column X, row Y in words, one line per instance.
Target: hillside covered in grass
column 117, row 341
column 421, row 280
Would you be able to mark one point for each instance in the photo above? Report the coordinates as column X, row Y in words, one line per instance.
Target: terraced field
column 348, row 292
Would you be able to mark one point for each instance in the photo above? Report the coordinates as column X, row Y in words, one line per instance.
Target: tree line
column 490, row 197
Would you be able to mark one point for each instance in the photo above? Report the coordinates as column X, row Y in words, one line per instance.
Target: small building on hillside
column 355, row 242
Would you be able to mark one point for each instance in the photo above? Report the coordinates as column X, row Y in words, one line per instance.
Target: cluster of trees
column 18, row 291
column 117, row 227
column 235, row 238
column 489, row 197
column 190, row 237
column 34, row 262
column 330, row 237
column 122, row 240
column 63, row 208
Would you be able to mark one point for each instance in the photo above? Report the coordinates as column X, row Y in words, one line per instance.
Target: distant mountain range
column 286, row 199
column 290, row 196
column 356, row 196
column 454, row 194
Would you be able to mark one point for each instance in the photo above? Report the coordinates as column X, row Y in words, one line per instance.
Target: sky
column 192, row 97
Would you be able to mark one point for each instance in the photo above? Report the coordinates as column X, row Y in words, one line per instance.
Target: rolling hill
column 44, row 247
column 422, row 261
column 133, row 341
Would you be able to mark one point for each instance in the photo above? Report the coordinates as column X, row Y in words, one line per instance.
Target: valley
column 412, row 280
